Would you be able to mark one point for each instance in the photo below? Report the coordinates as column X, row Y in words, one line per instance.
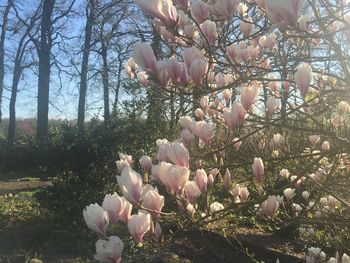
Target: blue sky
column 63, row 100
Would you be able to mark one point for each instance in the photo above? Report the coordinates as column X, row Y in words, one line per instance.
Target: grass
column 28, row 231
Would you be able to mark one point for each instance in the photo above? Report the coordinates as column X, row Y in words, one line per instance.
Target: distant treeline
column 27, row 127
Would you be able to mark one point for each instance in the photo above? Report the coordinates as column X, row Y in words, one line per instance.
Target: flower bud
column 209, row 31
column 139, row 225
column 201, row 179
column 258, row 169
column 96, row 218
column 283, row 13
column 270, row 206
column 144, row 57
column 114, row 205
column 303, row 78
column 109, row 250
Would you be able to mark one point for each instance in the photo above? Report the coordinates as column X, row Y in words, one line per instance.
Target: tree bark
column 44, row 53
column 2, row 51
column 90, row 13
column 12, row 109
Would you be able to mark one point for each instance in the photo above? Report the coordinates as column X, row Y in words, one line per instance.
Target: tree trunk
column 12, row 118
column 44, row 53
column 2, row 51
column 105, row 83
column 90, row 13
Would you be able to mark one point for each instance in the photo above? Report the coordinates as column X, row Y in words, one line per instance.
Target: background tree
column 2, row 50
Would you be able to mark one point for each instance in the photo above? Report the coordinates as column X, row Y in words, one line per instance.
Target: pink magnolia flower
column 272, row 105
column 343, row 107
column 109, row 250
column 153, row 200
column 225, row 8
column 121, row 164
column 235, row 191
column 201, row 179
column 326, row 146
column 164, row 10
column 314, row 139
column 190, row 54
column 143, row 78
column 272, row 85
column 155, row 172
column 270, row 206
column 234, row 116
column 162, row 72
column 227, row 95
column 289, row 193
column 130, row 68
column 197, row 71
column 161, row 155
column 178, row 154
column 127, row 158
column 186, row 122
column 199, row 113
column 303, row 78
column 211, row 180
column 249, row 95
column 284, row 173
column 186, row 137
column 286, row 85
column 190, row 209
column 243, row 193
column 158, row 233
column 204, row 102
column 192, row 191
column 173, row 177
column 277, row 141
column 236, row 143
column 139, row 225
column 199, row 10
column 163, row 175
column 130, row 183
column 178, row 176
column 258, row 169
column 216, row 206
column 242, row 9
column 169, row 70
column 283, row 13
column 227, row 179
column 126, row 213
column 96, row 218
column 246, row 27
column 305, row 195
column 203, row 131
column 144, row 57
column 146, row 163
column 209, row 31
column 114, row 205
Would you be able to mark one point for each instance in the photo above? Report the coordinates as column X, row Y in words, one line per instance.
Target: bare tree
column 19, row 66
column 2, row 50
column 90, row 21
column 44, row 52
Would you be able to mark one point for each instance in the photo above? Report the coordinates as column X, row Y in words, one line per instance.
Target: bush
column 85, row 163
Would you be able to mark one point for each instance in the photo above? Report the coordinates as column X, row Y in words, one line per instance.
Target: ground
column 27, row 232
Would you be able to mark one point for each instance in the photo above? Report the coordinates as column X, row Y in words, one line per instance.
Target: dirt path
column 22, row 185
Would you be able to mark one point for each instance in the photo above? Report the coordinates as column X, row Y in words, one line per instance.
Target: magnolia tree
column 268, row 81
